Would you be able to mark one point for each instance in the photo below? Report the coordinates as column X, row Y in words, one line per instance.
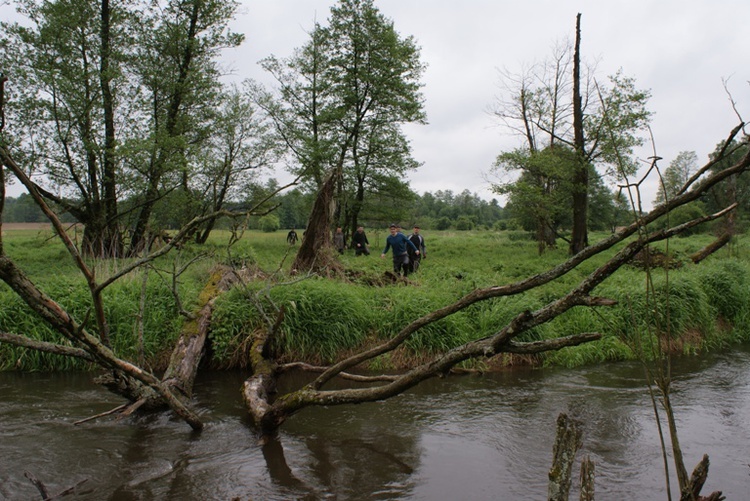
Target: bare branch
column 546, row 277
column 102, row 414
column 344, row 375
column 44, row 346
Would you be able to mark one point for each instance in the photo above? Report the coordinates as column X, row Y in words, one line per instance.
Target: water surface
column 467, row 437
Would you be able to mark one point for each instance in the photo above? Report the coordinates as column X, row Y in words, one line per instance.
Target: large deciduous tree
column 177, row 70
column 109, row 101
column 339, row 105
column 66, row 68
column 239, row 146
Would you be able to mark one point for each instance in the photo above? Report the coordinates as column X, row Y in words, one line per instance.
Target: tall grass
column 325, row 318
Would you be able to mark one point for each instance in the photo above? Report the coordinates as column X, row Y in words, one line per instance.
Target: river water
column 456, row 438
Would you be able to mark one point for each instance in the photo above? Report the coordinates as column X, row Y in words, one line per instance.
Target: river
column 456, row 438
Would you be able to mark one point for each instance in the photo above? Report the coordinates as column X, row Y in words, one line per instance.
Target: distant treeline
column 441, row 210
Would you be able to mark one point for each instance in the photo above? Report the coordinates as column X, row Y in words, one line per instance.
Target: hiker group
column 408, row 252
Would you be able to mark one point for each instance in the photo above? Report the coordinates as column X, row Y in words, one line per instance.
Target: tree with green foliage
column 269, row 223
column 22, row 209
column 66, row 64
column 111, row 101
column 176, row 67
column 294, row 208
column 239, row 147
column 542, row 106
column 540, row 198
column 680, row 170
column 339, row 106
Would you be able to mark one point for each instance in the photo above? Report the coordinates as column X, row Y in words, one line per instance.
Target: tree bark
column 316, row 252
column 111, row 236
column 567, row 442
column 587, row 480
column 190, row 347
column 579, row 238
column 714, row 246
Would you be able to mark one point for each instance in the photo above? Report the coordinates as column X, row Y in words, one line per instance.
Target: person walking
column 338, row 240
column 400, row 244
column 360, row 242
column 415, row 259
column 291, row 237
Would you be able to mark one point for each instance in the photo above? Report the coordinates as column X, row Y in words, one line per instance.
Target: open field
column 26, row 226
column 707, row 308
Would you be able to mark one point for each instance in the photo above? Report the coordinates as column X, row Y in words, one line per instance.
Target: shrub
column 464, row 224
column 443, row 224
column 269, row 223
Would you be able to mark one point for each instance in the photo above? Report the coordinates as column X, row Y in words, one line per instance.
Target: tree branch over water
column 269, row 415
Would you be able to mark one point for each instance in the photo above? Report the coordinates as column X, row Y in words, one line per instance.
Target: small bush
column 269, row 223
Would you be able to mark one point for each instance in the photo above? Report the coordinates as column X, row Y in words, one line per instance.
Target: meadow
column 697, row 307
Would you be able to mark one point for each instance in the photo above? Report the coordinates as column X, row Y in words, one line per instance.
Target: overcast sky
column 678, row 49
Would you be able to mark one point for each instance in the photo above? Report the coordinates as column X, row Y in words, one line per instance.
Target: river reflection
column 465, row 437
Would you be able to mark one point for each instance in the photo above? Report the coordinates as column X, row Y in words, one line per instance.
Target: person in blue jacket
column 400, row 244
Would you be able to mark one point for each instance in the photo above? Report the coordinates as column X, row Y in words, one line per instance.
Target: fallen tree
column 269, row 410
column 141, row 387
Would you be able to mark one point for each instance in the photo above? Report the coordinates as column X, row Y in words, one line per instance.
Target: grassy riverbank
column 709, row 303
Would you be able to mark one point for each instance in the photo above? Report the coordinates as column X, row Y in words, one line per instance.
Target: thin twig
column 97, row 416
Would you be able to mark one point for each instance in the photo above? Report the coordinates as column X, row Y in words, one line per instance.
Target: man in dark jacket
column 400, row 244
column 416, row 258
column 360, row 242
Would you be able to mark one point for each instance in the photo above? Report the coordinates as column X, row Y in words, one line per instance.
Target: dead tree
column 316, row 252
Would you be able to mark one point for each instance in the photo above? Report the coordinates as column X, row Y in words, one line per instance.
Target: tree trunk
column 545, row 236
column 190, row 347
column 567, row 443
column 706, row 251
column 579, row 239
column 587, row 480
column 316, row 253
column 109, row 179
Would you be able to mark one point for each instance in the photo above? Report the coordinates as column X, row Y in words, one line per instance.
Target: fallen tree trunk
column 706, row 251
column 190, row 347
column 186, row 356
